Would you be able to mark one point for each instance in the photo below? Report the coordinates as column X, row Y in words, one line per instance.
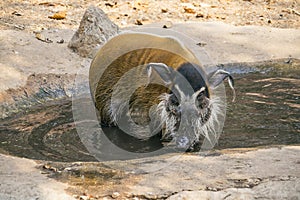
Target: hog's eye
column 173, row 100
column 201, row 100
column 173, row 104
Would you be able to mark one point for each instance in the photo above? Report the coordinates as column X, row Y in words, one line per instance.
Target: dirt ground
column 34, row 15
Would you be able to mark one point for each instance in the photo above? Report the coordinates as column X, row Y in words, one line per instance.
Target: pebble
column 199, row 15
column 164, row 10
column 115, row 195
column 138, row 22
column 168, row 24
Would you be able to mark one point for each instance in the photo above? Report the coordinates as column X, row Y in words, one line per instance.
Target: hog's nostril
column 183, row 142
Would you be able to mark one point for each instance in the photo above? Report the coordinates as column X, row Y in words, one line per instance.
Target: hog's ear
column 217, row 77
column 162, row 70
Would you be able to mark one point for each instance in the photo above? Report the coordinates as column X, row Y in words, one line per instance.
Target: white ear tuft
column 217, row 77
column 162, row 70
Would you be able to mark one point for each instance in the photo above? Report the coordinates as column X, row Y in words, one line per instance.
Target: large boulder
column 94, row 30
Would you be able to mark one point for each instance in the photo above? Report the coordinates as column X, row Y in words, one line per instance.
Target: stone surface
column 220, row 43
column 271, row 190
column 22, row 54
column 21, row 180
column 270, row 173
column 38, row 89
column 94, row 30
column 261, row 174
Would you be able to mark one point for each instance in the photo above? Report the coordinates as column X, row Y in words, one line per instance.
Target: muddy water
column 266, row 112
column 43, row 132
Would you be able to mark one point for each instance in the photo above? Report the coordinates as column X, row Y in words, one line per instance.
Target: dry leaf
column 59, row 15
column 189, row 10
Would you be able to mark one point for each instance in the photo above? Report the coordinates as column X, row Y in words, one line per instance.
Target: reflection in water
column 266, row 112
column 45, row 132
column 130, row 143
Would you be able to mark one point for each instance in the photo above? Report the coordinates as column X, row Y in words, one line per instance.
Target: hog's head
column 190, row 111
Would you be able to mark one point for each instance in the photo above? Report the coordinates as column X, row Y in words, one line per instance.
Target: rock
column 26, row 181
column 213, row 177
column 38, row 88
column 115, row 195
column 94, row 30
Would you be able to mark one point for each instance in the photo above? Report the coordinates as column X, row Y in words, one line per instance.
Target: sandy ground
column 34, row 15
column 22, row 54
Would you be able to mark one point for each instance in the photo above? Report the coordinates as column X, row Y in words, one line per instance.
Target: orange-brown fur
column 125, row 52
column 144, row 97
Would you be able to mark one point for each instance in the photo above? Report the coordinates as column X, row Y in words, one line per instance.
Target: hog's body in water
column 180, row 102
